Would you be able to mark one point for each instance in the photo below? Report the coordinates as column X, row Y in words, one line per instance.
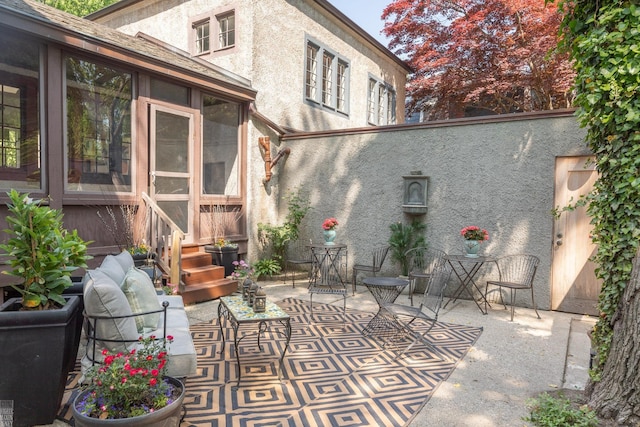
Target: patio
column 509, row 363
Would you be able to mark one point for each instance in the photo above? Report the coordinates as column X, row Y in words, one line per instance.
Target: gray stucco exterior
column 497, row 173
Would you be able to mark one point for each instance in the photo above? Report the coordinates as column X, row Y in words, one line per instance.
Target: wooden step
column 195, row 259
column 206, row 291
column 202, row 274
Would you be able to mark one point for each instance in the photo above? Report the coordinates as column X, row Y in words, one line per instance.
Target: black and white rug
column 334, row 375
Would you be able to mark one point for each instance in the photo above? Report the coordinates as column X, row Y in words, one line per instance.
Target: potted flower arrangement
column 132, row 388
column 41, row 328
column 223, row 252
column 473, row 236
column 329, row 230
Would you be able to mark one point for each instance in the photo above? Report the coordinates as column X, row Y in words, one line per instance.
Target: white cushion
column 103, row 297
column 126, row 260
column 112, row 268
column 142, row 297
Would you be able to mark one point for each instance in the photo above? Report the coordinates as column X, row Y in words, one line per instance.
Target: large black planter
column 36, row 348
column 223, row 256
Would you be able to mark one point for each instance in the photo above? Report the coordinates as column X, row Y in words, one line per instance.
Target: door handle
column 153, row 177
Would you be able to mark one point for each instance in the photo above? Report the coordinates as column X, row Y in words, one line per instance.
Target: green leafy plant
column 129, row 385
column 42, row 252
column 549, row 411
column 276, row 236
column 404, row 237
column 266, row 267
column 602, row 38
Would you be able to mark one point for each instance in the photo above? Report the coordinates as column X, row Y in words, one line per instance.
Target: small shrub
column 266, row 267
column 549, row 411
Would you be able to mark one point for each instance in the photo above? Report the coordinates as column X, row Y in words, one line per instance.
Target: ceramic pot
column 329, row 236
column 471, row 248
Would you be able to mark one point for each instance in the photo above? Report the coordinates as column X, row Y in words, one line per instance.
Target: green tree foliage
column 496, row 56
column 604, row 40
column 79, row 7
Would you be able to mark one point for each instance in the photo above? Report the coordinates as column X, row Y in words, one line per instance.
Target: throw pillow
column 126, row 260
column 142, row 297
column 103, row 297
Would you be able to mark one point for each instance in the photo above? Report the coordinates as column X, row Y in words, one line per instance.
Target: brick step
column 206, row 291
column 195, row 259
column 201, row 274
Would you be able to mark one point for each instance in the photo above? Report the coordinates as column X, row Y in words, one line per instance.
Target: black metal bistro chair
column 378, row 256
column 298, row 255
column 516, row 272
column 423, row 262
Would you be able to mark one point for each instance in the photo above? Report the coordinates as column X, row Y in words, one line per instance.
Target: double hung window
column 326, row 82
column 381, row 103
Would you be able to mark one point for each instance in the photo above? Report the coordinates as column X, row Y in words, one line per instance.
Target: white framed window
column 213, row 33
column 202, row 37
column 326, row 84
column 381, row 103
column 226, row 30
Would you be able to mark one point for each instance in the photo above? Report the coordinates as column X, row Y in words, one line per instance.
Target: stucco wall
column 498, row 175
column 270, row 52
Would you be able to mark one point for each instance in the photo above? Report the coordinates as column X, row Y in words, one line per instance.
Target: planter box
column 223, row 256
column 37, row 350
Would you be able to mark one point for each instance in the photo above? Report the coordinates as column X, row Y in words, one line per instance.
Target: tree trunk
column 617, row 394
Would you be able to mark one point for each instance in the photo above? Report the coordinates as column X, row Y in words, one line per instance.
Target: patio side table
column 238, row 312
column 385, row 290
column 466, row 268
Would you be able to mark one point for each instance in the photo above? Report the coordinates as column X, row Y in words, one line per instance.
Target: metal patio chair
column 423, row 262
column 515, row 272
column 378, row 256
column 427, row 311
column 298, row 255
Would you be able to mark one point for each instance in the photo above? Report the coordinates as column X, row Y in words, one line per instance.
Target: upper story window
column 214, row 31
column 98, row 127
column 20, row 152
column 326, row 83
column 381, row 103
column 202, row 37
column 226, row 30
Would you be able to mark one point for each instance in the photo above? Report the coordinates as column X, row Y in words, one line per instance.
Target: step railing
column 165, row 239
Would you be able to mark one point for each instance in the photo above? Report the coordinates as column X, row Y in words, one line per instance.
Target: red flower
column 329, row 223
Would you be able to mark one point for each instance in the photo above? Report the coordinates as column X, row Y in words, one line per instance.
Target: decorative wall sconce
column 415, row 193
column 269, row 163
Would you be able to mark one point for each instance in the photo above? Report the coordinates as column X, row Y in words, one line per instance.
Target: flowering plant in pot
column 129, row 385
column 473, row 232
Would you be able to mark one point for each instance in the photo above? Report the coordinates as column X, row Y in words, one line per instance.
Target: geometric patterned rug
column 334, row 375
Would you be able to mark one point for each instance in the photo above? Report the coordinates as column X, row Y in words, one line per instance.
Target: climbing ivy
column 604, row 40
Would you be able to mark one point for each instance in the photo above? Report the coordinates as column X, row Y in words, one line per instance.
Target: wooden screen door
column 171, row 164
column 574, row 287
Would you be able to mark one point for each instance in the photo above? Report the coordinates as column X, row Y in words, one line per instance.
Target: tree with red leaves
column 476, row 57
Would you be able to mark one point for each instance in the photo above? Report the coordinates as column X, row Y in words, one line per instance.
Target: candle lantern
column 246, row 285
column 260, row 301
column 252, row 293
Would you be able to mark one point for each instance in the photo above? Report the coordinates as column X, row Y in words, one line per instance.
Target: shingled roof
column 148, row 52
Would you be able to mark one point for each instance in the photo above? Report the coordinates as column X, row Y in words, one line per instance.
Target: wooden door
column 574, row 287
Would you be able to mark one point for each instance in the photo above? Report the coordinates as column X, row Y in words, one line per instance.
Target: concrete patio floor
column 510, row 363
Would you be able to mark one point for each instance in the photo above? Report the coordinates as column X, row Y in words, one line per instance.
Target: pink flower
column 329, row 223
column 473, row 232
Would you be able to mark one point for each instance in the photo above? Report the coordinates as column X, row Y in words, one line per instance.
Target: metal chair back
column 379, row 254
column 298, row 253
column 423, row 261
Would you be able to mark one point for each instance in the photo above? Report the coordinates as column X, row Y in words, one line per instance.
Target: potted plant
column 131, row 389
column 40, row 330
column 404, row 237
column 223, row 252
column 473, row 236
